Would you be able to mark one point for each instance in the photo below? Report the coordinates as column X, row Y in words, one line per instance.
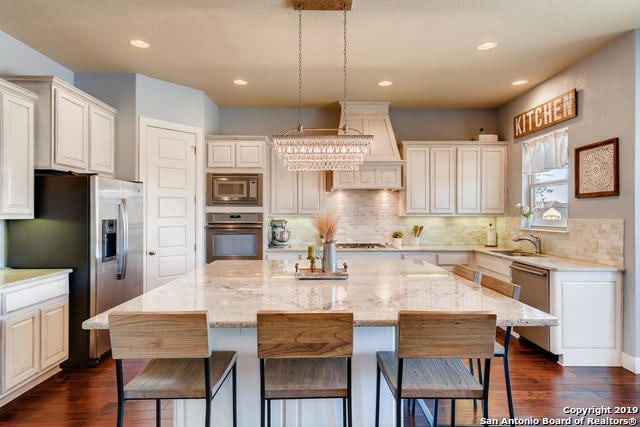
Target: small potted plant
column 397, row 239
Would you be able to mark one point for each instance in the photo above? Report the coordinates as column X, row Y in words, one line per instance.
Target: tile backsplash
column 372, row 215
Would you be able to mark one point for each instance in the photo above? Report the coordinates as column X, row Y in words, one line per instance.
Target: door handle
column 124, row 215
column 152, row 253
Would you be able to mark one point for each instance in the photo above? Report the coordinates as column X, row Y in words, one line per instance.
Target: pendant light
column 316, row 149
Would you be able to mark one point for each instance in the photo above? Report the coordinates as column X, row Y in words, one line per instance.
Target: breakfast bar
column 234, row 291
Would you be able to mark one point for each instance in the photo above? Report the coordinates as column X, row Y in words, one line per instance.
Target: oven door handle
column 234, row 226
column 541, row 273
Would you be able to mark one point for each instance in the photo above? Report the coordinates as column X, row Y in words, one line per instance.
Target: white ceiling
column 426, row 47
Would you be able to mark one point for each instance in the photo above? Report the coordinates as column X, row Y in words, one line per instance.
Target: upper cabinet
column 447, row 178
column 224, row 152
column 16, row 151
column 295, row 193
column 75, row 131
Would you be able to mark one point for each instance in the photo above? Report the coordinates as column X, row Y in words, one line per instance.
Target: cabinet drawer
column 494, row 263
column 453, row 258
column 33, row 294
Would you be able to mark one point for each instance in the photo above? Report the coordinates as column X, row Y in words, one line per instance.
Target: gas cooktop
column 360, row 246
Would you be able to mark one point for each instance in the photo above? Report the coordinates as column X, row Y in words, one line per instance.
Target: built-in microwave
column 231, row 189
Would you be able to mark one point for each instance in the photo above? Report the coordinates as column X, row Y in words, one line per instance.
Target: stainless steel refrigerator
column 93, row 225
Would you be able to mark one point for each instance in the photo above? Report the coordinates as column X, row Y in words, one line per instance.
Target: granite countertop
column 233, row 291
column 421, row 248
column 12, row 277
column 551, row 262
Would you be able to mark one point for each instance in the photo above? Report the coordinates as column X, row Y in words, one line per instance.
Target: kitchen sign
column 556, row 110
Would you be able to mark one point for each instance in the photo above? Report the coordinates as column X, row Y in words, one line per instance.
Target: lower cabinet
column 444, row 260
column 35, row 337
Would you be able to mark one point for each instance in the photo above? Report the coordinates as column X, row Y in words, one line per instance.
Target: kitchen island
column 233, row 291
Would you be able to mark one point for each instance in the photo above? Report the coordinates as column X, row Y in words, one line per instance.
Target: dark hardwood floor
column 541, row 388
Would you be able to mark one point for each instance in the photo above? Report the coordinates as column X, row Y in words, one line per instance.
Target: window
column 545, row 179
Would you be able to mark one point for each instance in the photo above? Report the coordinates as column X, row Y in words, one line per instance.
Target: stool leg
column 207, row 415
column 453, row 413
column 268, row 412
column 398, row 410
column 475, row 402
column 120, row 383
column 507, row 381
column 435, row 413
column 262, row 400
column 378, row 396
column 234, row 378
column 158, row 413
column 344, row 412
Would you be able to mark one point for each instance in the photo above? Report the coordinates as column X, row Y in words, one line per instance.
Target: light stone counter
column 12, row 277
column 551, row 262
column 233, row 291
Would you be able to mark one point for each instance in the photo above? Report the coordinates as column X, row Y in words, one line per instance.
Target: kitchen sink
column 514, row 252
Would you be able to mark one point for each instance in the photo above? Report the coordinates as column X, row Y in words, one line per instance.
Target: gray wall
column 606, row 83
column 18, row 58
column 407, row 124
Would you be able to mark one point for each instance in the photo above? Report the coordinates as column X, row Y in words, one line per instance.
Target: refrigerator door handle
column 122, row 273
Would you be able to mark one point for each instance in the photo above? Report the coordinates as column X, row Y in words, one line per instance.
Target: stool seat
column 437, row 378
column 179, row 378
column 305, row 378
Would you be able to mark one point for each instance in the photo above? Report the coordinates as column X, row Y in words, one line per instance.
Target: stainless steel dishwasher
column 534, row 291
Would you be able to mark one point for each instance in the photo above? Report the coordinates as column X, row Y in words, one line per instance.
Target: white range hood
column 383, row 167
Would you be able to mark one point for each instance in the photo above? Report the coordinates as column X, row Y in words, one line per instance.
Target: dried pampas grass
column 327, row 225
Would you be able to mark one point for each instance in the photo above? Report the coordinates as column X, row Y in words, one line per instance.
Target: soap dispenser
column 492, row 237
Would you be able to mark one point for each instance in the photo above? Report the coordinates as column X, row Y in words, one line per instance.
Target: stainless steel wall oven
column 234, row 236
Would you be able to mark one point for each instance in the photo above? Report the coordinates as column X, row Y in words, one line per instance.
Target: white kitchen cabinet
column 444, row 259
column 74, row 131
column 235, row 153
column 493, row 265
column 16, row 151
column 384, row 175
column 446, row 178
column 34, row 318
column 430, row 180
column 295, row 193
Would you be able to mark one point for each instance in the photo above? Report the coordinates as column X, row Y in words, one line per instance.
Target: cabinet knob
column 152, row 253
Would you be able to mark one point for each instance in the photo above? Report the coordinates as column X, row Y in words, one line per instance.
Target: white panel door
column 468, row 180
column 22, row 350
column 16, row 158
column 442, row 184
column 171, row 205
column 284, row 188
column 310, row 192
column 417, row 185
column 101, row 140
column 494, row 171
column 71, row 131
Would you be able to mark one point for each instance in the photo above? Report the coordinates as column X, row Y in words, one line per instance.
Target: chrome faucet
column 535, row 240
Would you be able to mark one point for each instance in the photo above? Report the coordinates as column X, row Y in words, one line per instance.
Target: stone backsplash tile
column 599, row 240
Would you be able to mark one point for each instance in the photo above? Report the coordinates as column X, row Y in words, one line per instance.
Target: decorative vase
column 525, row 221
column 329, row 257
column 396, row 242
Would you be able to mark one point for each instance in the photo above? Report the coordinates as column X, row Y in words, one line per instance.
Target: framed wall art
column 596, row 169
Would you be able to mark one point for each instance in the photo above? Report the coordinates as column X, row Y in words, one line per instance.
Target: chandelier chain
column 344, row 66
column 300, row 65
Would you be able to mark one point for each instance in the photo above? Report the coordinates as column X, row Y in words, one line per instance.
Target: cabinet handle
column 152, row 253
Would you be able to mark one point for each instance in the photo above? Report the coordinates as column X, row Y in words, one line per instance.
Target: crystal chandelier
column 316, row 149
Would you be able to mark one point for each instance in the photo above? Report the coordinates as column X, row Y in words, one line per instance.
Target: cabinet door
column 442, row 180
column 54, row 333
column 71, row 130
column 21, row 347
column 16, row 158
column 417, row 185
column 494, row 160
column 389, row 177
column 221, row 154
column 284, row 188
column 468, row 183
column 101, row 140
column 366, row 177
column 249, row 154
column 311, row 193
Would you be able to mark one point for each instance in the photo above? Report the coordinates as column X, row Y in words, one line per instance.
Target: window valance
column 546, row 152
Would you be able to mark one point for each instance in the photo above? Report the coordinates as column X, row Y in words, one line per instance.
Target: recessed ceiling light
column 487, row 46
column 385, row 83
column 520, row 82
column 139, row 44
column 240, row 82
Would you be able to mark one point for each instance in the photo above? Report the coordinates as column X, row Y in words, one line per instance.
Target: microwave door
column 230, row 190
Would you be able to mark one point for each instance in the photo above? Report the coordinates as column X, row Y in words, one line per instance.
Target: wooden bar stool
column 510, row 290
column 182, row 364
column 466, row 272
column 426, row 363
column 305, row 356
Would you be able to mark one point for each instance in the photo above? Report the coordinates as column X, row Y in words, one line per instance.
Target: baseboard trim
column 630, row 363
